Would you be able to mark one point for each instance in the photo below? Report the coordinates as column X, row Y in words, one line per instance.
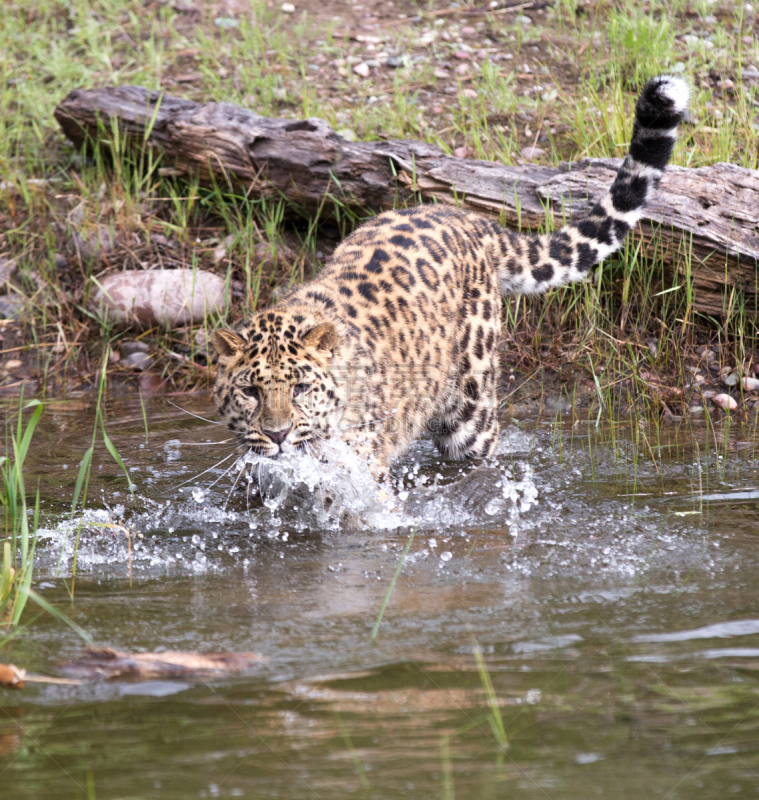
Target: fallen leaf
column 11, row 677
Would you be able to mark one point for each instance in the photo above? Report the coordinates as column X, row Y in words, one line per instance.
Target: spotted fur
column 399, row 333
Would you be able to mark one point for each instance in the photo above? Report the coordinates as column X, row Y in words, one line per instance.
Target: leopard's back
column 399, row 333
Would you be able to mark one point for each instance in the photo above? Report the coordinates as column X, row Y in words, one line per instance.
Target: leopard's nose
column 278, row 436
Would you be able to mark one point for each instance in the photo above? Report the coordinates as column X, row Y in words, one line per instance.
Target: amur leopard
column 399, row 333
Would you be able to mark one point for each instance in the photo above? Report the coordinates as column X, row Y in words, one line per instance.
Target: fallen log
column 703, row 222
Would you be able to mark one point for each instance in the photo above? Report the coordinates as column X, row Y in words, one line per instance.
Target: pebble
column 523, row 20
column 11, row 307
column 226, row 22
column 470, row 93
column 531, row 153
column 460, row 152
column 288, row 8
column 725, row 402
column 462, row 54
column 468, row 31
column 442, row 73
column 137, row 360
column 362, row 70
column 733, row 379
column 396, row 61
column 462, row 69
column 372, row 62
column 94, row 243
column 750, row 384
column 9, row 366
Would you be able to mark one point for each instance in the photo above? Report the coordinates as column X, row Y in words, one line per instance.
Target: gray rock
column 129, row 348
column 12, row 306
column 733, row 379
column 397, row 61
column 94, row 243
column 137, row 360
column 165, row 297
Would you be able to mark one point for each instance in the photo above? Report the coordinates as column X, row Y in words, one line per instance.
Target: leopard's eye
column 251, row 391
column 301, row 388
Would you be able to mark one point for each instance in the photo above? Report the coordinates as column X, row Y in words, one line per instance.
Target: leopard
column 398, row 335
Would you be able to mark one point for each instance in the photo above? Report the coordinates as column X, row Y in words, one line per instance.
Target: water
column 609, row 586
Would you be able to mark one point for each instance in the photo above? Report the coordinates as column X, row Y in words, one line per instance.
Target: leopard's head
column 275, row 389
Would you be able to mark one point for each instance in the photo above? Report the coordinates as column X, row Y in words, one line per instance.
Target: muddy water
column 608, row 581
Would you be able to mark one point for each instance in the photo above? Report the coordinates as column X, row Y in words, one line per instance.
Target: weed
column 20, row 537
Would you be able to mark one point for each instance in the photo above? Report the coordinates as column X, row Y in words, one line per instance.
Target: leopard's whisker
column 223, row 475
column 201, row 474
column 234, row 485
column 192, row 414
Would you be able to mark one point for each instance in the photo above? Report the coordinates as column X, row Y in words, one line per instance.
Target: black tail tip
column 662, row 102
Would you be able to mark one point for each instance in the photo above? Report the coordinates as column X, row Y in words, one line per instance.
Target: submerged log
column 702, row 222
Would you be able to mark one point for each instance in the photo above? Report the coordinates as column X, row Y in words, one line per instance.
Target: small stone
column 696, row 409
column 225, row 23
column 531, row 153
column 130, row 347
column 137, row 360
column 460, row 152
column 287, row 8
column 397, row 61
column 220, row 253
column 728, row 84
column 362, row 70
column 437, row 109
column 750, row 384
column 470, row 93
column 442, row 73
column 725, row 402
column 372, row 62
column 11, row 307
column 9, row 366
column 462, row 54
column 733, row 379
column 523, row 20
column 468, row 31
column 7, row 269
column 94, row 243
column 462, row 69
column 61, row 262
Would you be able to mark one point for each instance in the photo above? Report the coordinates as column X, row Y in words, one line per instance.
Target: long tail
column 532, row 264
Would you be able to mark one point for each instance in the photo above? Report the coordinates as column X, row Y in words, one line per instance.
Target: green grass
column 20, row 531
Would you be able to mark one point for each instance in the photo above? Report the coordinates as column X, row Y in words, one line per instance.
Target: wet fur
column 399, row 333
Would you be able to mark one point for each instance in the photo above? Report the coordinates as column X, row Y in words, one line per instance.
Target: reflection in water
column 615, row 609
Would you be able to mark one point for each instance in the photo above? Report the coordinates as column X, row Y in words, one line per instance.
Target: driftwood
column 705, row 220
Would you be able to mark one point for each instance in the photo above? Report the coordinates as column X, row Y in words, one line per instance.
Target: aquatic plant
column 20, row 539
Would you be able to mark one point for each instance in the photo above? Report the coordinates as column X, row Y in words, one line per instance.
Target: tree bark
column 703, row 222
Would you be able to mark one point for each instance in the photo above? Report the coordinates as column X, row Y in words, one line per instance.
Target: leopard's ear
column 228, row 344
column 323, row 337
